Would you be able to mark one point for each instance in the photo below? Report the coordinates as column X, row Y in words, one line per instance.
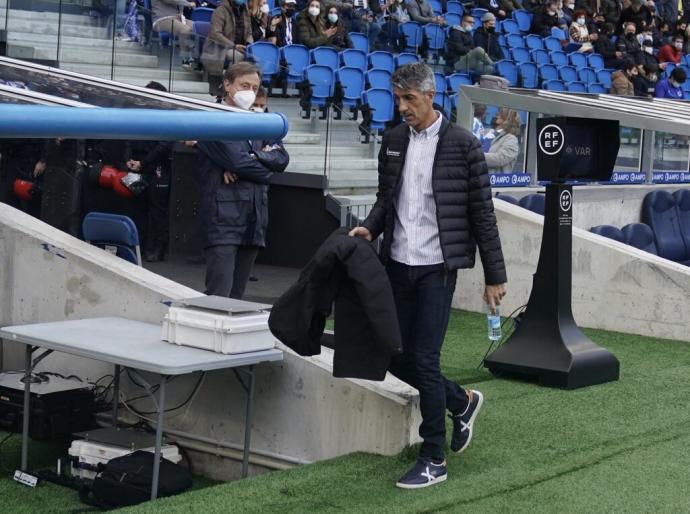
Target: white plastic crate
column 86, row 455
column 227, row 333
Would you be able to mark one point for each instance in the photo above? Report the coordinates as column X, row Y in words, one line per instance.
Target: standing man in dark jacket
column 433, row 205
column 234, row 207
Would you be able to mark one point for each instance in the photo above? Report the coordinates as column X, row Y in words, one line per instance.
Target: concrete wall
column 615, row 286
column 302, row 412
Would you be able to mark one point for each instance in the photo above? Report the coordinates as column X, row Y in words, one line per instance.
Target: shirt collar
column 431, row 131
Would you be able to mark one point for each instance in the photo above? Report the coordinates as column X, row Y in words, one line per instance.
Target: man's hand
column 493, row 295
column 241, row 48
column 229, row 177
column 663, row 65
column 360, row 232
column 39, row 168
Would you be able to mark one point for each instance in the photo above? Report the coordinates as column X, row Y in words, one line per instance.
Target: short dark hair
column 156, row 85
column 628, row 65
column 467, row 16
column 679, row 75
column 261, row 92
column 241, row 69
column 650, row 68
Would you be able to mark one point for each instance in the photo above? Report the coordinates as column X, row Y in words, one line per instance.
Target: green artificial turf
column 618, row 447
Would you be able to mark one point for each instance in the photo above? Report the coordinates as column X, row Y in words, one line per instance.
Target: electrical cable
column 187, row 402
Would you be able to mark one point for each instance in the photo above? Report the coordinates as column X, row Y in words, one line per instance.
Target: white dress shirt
column 415, row 236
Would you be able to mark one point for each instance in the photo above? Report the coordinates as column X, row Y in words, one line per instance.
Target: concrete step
column 301, row 138
column 42, row 27
column 131, row 74
column 353, row 167
column 87, row 43
column 53, row 17
column 95, row 57
column 336, row 152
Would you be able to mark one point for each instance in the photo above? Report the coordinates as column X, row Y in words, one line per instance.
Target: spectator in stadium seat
column 628, row 43
column 228, row 37
column 622, row 80
column 565, row 12
column 341, row 39
column 672, row 87
column 283, row 28
column 167, row 17
column 613, row 58
column 579, row 33
column 647, row 57
column 393, row 14
column 672, row 52
column 461, row 53
column 545, row 19
column 638, row 13
column 485, row 37
column 422, row 12
column 665, row 36
column 505, row 147
column 502, row 9
column 667, row 10
column 645, row 81
column 311, row 26
column 259, row 14
column 611, row 10
column 366, row 18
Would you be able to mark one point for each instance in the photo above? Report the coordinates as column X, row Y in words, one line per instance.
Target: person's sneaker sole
column 471, row 422
column 440, row 479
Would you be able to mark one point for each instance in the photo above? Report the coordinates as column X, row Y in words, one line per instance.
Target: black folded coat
column 345, row 271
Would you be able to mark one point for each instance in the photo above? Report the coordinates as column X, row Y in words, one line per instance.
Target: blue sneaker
column 462, row 423
column 423, row 474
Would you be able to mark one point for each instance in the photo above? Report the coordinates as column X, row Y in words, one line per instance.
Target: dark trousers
column 228, row 268
column 423, row 296
column 158, row 193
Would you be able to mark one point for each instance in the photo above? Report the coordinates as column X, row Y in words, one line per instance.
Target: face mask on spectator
column 490, row 29
column 289, row 11
column 333, row 18
column 651, row 77
column 264, row 9
column 467, row 28
column 648, row 49
column 679, row 46
column 256, row 109
column 240, row 2
column 571, row 6
column 244, row 99
column 674, row 83
column 314, row 11
column 581, row 21
column 630, row 35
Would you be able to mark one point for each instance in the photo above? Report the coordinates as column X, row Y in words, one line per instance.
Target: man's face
column 414, row 106
column 260, row 104
column 632, row 72
column 249, row 82
column 491, row 24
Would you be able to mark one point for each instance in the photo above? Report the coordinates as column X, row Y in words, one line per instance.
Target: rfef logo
column 551, row 139
column 566, row 201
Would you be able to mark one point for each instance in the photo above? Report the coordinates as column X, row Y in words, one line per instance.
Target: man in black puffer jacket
column 434, row 208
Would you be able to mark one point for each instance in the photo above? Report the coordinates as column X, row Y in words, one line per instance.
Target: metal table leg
column 159, row 437
column 116, row 393
column 27, row 399
column 248, row 422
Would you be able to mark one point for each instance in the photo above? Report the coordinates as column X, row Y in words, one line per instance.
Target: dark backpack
column 127, row 481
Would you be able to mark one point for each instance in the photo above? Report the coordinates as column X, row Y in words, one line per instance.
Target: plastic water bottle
column 493, row 320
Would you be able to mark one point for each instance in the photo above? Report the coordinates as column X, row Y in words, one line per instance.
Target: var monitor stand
column 548, row 345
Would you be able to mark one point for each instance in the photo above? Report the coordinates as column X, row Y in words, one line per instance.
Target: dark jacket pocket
column 232, row 206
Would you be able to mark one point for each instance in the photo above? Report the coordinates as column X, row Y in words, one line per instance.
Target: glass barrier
column 671, row 153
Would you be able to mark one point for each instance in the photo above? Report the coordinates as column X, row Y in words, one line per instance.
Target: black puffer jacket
column 464, row 209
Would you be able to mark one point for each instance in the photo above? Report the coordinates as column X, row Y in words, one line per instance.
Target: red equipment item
column 24, row 189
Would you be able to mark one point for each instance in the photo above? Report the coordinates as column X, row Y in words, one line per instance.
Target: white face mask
column 333, row 18
column 314, row 11
column 580, row 21
column 679, row 46
column 265, row 8
column 256, row 109
column 244, row 99
column 648, row 49
column 571, row 6
column 674, row 83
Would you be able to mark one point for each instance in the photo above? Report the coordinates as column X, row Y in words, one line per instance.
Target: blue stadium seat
column 548, row 72
column 297, row 59
column 529, row 75
column 682, row 197
column 506, row 53
column 201, row 29
column 533, row 202
column 477, row 23
column 435, row 38
column 379, row 79
column 456, row 80
column 608, row 231
column 669, row 69
column 360, row 41
column 202, row 14
column 523, row 19
column 521, row 55
column 577, row 59
column 604, row 78
column 516, row 41
column 554, row 85
column 325, row 56
column 413, row 36
column 436, row 7
column 660, row 212
column 441, row 84
column 534, row 42
column 454, row 7
column 559, row 58
column 640, row 236
column 267, row 57
column 322, row 80
column 595, row 61
column 567, row 73
column 352, row 82
column 508, row 70
column 382, row 61
column 510, row 27
column 587, row 75
column 541, row 57
column 381, row 103
column 352, row 58
column 406, row 58
column 597, row 89
column 576, row 87
column 552, row 44
column 102, row 229
column 442, row 99
column 558, row 33
column 507, row 198
column 452, row 19
column 478, row 12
